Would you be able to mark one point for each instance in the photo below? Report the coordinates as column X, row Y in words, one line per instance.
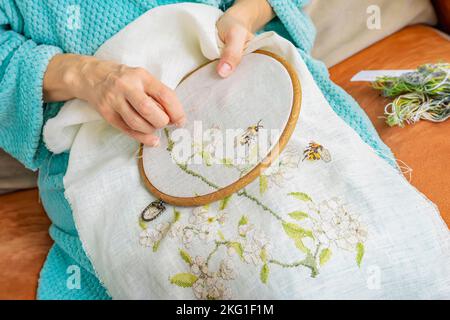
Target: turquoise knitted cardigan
column 31, row 33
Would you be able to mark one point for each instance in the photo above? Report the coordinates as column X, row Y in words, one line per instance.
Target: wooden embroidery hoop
column 257, row 170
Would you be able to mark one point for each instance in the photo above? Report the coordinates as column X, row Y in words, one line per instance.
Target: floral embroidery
column 152, row 237
column 316, row 151
column 281, row 169
column 202, row 226
column 250, row 246
column 206, row 284
column 316, row 229
column 334, row 226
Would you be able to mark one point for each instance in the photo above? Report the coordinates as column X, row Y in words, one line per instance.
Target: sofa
column 24, row 239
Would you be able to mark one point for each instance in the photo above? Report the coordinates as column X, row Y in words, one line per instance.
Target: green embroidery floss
column 412, row 107
column 421, row 94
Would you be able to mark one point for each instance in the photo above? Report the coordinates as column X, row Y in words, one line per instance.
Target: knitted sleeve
column 22, row 67
column 298, row 24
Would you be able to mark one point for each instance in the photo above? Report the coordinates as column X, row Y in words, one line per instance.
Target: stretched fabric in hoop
column 254, row 112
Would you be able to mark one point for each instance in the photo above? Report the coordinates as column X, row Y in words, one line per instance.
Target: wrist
column 80, row 76
column 62, row 79
column 253, row 14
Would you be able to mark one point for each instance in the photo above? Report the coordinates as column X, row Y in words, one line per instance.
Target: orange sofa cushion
column 424, row 146
column 24, row 243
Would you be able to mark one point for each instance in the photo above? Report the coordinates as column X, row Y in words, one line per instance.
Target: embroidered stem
column 308, row 262
column 242, row 193
column 196, row 175
column 218, row 244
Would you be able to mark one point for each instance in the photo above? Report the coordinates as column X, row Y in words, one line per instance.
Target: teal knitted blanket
column 31, row 33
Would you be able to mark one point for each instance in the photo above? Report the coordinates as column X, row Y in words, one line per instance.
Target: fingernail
column 225, row 69
column 155, row 142
column 180, row 123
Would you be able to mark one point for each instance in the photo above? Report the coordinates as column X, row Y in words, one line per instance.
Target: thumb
column 231, row 53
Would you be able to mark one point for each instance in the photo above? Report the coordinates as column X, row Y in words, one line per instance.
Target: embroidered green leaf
column 224, row 202
column 263, row 255
column 207, row 157
column 206, row 207
column 227, row 162
column 263, row 184
column 300, row 196
column 142, row 224
column 301, row 246
column 221, row 236
column 298, row 215
column 324, row 256
column 184, row 280
column 243, row 220
column 294, row 231
column 264, row 275
column 170, row 142
column 186, row 257
column 359, row 253
column 238, row 248
column 176, row 215
column 156, row 246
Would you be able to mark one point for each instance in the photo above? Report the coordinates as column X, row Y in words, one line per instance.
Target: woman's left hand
column 235, row 34
column 235, row 29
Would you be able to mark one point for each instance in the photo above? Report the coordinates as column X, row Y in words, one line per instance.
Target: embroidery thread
column 316, row 151
column 316, row 230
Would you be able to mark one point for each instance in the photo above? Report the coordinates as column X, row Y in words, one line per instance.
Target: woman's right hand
column 128, row 98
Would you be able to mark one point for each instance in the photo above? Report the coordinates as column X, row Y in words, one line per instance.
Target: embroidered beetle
column 153, row 210
column 250, row 133
column 316, row 151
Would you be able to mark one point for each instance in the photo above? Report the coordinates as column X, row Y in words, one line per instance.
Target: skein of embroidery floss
column 421, row 94
column 412, row 107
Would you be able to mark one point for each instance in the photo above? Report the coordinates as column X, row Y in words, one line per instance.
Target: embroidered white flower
column 176, row 231
column 253, row 242
column 226, row 270
column 210, row 285
column 281, row 169
column 187, row 237
column 334, row 225
column 252, row 253
column 199, row 266
column 206, row 225
column 211, row 289
column 150, row 237
column 245, row 229
column 199, row 215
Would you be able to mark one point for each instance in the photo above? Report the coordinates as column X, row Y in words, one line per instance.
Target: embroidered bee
column 153, row 210
column 250, row 133
column 316, row 151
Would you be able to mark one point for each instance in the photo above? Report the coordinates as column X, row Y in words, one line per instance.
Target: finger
column 168, row 101
column 133, row 119
column 232, row 52
column 148, row 108
column 147, row 139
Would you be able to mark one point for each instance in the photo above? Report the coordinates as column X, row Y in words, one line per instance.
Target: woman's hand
column 128, row 98
column 236, row 28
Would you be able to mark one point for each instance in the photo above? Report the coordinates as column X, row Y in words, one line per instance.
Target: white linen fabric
column 258, row 94
column 350, row 228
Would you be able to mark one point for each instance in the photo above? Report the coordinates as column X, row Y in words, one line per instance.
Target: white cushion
column 342, row 25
